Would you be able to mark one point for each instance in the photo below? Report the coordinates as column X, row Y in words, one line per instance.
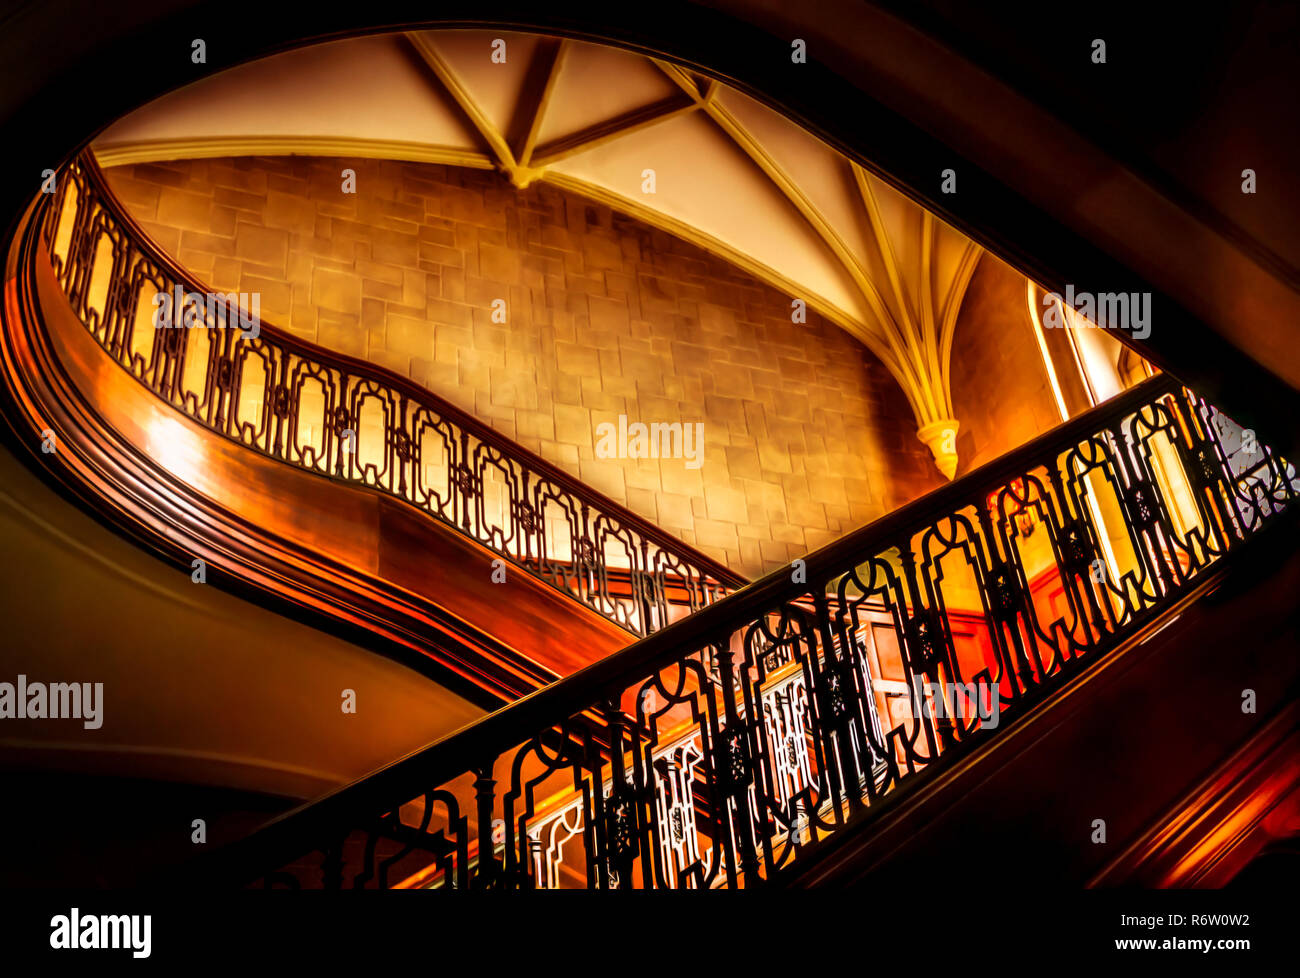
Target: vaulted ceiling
column 680, row 151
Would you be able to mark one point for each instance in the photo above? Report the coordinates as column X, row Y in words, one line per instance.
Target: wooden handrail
column 1157, row 404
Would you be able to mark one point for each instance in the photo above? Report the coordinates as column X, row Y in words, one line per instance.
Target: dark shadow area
column 73, row 830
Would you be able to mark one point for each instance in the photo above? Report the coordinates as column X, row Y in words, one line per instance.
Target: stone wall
column 806, row 435
column 1000, row 388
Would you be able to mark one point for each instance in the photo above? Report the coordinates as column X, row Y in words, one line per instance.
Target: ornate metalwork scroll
column 716, row 752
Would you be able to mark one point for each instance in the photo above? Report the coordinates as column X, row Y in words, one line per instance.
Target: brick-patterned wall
column 1000, row 389
column 806, row 435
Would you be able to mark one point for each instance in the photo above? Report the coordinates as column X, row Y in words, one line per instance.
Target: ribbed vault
column 678, row 150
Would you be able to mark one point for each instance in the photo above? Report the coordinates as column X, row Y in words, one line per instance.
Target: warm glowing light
column 1030, row 295
column 174, row 448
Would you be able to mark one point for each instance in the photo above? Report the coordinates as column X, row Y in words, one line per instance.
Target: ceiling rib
column 611, row 129
column 886, row 340
column 912, row 338
column 547, row 62
column 454, row 87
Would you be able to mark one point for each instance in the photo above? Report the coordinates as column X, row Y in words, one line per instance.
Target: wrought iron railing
column 717, row 751
column 351, row 420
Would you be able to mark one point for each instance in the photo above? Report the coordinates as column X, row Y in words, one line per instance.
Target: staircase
column 779, row 735
column 769, row 733
column 411, row 523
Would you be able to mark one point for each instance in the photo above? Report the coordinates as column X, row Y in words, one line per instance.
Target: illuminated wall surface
column 566, row 240
column 806, row 434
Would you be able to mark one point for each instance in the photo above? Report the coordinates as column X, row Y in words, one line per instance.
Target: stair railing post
column 485, row 798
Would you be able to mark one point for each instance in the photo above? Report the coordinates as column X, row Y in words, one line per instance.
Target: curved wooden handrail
column 84, row 425
column 544, row 520
column 714, row 751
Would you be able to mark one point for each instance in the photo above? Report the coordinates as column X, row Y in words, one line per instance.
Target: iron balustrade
column 355, row 421
column 717, row 751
